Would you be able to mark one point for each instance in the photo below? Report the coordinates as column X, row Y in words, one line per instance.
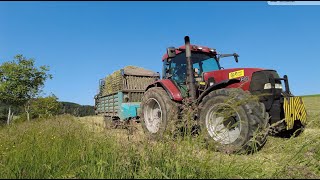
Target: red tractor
column 234, row 107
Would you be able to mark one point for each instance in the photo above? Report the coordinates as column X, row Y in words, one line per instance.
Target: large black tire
column 235, row 107
column 158, row 112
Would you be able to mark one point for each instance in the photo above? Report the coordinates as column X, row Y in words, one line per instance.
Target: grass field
column 69, row 147
column 312, row 95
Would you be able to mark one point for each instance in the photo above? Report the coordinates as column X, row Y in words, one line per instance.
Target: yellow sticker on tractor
column 294, row 109
column 236, row 74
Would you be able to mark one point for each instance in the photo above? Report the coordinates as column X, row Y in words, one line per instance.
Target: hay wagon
column 121, row 92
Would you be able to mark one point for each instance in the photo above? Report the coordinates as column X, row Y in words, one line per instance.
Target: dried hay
column 114, row 81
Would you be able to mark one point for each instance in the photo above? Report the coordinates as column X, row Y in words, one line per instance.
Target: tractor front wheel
column 233, row 121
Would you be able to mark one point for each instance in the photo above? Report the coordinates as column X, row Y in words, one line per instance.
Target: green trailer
column 121, row 92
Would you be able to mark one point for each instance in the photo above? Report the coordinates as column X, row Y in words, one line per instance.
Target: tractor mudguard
column 219, row 85
column 171, row 89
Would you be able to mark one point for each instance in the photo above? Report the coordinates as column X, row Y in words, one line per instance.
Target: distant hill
column 76, row 109
column 312, row 95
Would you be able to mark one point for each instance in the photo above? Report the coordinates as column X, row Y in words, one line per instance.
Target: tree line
column 21, row 84
column 39, row 109
column 76, row 109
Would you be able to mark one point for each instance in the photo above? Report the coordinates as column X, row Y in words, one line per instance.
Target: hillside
column 76, row 109
column 312, row 95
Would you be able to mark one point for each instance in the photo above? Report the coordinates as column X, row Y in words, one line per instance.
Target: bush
column 41, row 107
column 44, row 107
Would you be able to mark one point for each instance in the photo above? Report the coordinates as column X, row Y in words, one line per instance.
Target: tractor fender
column 171, row 89
column 219, row 85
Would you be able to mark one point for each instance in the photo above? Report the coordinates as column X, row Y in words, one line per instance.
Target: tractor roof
column 193, row 48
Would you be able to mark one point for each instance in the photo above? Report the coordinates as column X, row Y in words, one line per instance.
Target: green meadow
column 79, row 147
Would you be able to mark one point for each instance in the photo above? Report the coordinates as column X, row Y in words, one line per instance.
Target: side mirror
column 236, row 57
column 171, row 51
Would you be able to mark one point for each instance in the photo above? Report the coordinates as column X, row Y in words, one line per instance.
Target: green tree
column 20, row 81
column 43, row 107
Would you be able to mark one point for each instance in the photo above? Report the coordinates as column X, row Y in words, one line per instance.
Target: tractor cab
column 204, row 60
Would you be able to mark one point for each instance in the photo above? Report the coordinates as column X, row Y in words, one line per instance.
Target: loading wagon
column 120, row 93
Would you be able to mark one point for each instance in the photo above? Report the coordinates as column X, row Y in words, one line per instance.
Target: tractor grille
column 260, row 78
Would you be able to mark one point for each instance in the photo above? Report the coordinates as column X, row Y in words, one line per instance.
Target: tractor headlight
column 268, row 86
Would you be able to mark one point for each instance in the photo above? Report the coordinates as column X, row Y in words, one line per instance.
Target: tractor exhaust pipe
column 190, row 75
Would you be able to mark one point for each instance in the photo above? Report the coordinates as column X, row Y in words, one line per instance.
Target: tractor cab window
column 206, row 65
column 178, row 70
column 177, row 67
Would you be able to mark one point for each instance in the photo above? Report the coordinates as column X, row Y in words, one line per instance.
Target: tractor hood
column 243, row 74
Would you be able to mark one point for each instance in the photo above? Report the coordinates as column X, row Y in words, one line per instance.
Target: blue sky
column 84, row 41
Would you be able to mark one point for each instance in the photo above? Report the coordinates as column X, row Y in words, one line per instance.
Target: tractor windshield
column 202, row 61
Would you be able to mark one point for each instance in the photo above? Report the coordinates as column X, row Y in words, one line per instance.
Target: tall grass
column 62, row 147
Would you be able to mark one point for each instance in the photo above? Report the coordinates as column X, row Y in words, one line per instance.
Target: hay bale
column 138, row 71
column 114, row 81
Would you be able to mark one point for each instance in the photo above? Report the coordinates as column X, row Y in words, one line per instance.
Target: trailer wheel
column 158, row 110
column 107, row 122
column 232, row 121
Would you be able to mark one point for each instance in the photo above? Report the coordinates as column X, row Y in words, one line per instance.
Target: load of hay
column 114, row 82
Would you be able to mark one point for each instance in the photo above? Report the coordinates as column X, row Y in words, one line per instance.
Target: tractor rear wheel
column 158, row 110
column 233, row 121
